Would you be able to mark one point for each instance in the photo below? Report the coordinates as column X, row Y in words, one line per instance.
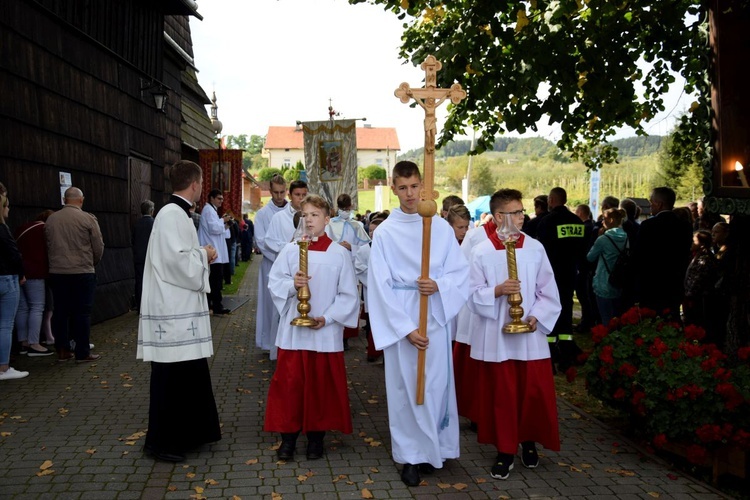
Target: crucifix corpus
column 429, row 97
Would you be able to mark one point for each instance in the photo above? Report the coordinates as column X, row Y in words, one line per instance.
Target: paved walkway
column 77, row 431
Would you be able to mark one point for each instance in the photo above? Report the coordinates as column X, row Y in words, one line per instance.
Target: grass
column 239, row 273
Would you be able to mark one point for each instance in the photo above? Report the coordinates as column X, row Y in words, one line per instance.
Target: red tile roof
column 367, row 138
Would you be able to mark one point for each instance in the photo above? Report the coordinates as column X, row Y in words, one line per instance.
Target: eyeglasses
column 517, row 212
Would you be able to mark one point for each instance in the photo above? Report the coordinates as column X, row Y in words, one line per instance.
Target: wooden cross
column 429, row 97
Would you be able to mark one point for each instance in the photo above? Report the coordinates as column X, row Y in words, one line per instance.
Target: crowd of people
column 688, row 265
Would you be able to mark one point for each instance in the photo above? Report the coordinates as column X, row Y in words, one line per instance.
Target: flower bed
column 679, row 392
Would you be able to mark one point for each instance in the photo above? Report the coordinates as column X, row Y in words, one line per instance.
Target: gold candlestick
column 509, row 234
column 303, row 293
column 515, row 299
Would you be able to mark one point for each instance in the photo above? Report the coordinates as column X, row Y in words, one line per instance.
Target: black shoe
column 529, row 455
column 315, row 450
column 164, row 456
column 410, row 475
column 502, row 467
column 426, row 468
column 473, row 426
column 222, row 311
column 286, row 450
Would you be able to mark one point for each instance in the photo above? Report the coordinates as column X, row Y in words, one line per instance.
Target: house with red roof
column 375, row 146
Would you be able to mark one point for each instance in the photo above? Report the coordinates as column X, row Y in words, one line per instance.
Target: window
column 287, row 162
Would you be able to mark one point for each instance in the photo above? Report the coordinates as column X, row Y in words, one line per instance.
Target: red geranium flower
column 658, row 348
column 607, row 355
column 628, row 370
column 570, row 374
column 743, row 353
column 620, row 393
column 660, row 440
column 697, row 454
column 693, row 332
column 598, row 333
column 639, row 342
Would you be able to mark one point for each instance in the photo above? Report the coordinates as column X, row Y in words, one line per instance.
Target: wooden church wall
column 72, row 105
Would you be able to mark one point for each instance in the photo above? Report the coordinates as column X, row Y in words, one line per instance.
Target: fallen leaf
column 309, row 473
column 198, row 489
column 351, row 483
column 364, row 413
column 252, row 461
column 136, row 435
column 374, row 469
column 235, row 497
column 190, row 475
column 127, row 385
column 16, row 417
column 276, row 496
column 423, row 483
column 366, row 493
column 372, row 401
column 481, row 480
column 281, row 462
column 575, row 416
column 621, row 472
column 275, row 447
column 171, row 487
column 575, row 469
column 211, row 482
column 91, row 451
column 369, row 440
column 585, row 466
column 46, row 465
column 62, row 412
column 130, row 443
column 654, row 494
column 375, row 443
column 45, row 472
column 369, row 481
column 443, row 486
column 362, row 434
column 301, row 478
column 339, row 478
column 6, row 434
column 563, row 464
column 460, row 486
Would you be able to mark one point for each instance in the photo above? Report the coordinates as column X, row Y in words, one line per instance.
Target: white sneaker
column 11, row 373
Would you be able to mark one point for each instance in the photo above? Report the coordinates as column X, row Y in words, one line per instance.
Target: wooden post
column 429, row 97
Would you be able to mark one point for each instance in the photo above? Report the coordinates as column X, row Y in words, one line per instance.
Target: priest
column 174, row 329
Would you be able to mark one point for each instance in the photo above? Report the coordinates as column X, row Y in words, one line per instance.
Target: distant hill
column 538, row 146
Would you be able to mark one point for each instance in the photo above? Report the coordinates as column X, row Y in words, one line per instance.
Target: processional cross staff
column 429, row 97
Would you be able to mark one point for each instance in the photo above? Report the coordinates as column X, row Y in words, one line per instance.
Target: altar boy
column 422, row 436
column 514, row 384
column 308, row 390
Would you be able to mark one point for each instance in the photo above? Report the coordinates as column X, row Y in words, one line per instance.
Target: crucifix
column 429, row 97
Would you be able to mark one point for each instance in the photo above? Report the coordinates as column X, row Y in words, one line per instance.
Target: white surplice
column 279, row 234
column 212, row 231
column 351, row 231
column 174, row 324
column 333, row 291
column 265, row 336
column 361, row 263
column 425, row 433
column 540, row 299
column 280, row 230
column 463, row 323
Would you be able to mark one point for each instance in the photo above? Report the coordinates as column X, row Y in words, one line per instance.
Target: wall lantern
column 158, row 93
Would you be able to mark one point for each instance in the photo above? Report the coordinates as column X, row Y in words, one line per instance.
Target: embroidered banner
column 331, row 159
column 222, row 169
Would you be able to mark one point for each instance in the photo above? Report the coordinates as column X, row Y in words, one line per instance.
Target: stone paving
column 77, row 431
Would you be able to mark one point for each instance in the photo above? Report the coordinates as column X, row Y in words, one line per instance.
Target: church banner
column 222, row 170
column 331, row 159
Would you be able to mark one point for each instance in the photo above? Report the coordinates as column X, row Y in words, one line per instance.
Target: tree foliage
column 590, row 66
column 266, row 174
column 252, row 146
column 371, row 172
